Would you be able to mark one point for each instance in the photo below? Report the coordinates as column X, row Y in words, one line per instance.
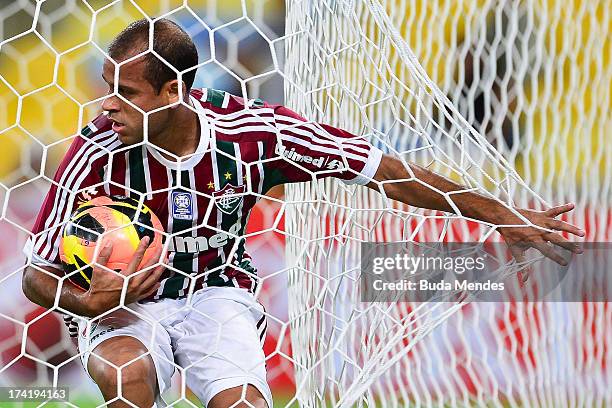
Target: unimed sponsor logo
column 320, row 162
column 201, row 244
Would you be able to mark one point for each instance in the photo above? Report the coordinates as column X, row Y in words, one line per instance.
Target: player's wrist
column 507, row 216
column 495, row 213
column 94, row 304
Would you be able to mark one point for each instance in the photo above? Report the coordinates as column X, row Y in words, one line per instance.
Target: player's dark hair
column 170, row 41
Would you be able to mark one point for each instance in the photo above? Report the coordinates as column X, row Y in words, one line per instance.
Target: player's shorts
column 217, row 339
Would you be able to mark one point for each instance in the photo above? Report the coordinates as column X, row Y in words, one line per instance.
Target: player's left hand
column 538, row 235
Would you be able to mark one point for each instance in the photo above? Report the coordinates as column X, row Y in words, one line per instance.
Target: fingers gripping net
column 473, row 91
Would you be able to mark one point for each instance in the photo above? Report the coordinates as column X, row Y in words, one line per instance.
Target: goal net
column 510, row 99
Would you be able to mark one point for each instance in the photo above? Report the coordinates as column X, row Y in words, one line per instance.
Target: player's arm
column 425, row 189
column 40, row 284
column 76, row 173
column 365, row 164
column 106, row 288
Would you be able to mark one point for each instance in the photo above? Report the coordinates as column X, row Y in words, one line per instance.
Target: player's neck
column 182, row 137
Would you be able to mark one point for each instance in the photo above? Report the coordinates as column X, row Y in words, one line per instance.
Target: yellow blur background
column 551, row 87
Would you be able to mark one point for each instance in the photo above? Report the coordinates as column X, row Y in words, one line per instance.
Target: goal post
column 481, row 92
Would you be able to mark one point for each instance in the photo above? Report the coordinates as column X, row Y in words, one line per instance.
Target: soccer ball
column 115, row 218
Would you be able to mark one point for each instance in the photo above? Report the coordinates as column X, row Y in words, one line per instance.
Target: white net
column 509, row 98
column 442, row 84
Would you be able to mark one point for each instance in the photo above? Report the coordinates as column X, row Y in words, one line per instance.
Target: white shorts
column 216, row 339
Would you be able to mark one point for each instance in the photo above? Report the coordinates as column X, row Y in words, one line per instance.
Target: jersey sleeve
column 75, row 173
column 303, row 150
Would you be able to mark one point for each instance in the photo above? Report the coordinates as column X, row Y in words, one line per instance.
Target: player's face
column 128, row 121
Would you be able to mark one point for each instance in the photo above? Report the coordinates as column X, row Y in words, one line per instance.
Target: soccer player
column 225, row 152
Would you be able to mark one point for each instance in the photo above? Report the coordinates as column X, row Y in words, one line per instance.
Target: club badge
column 227, row 199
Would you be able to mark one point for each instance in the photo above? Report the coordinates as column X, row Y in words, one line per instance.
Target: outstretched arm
column 418, row 192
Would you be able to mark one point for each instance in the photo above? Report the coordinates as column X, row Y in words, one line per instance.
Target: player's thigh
column 219, row 344
column 123, row 339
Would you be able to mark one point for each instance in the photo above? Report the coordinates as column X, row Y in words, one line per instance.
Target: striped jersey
column 204, row 199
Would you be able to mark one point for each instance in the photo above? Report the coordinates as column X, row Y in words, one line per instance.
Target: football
column 117, row 218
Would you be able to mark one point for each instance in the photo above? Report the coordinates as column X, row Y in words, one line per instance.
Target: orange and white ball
column 116, row 218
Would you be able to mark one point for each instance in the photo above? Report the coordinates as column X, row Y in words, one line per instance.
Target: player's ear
column 171, row 88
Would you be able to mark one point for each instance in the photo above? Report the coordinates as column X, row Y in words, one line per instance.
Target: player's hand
column 107, row 288
column 522, row 238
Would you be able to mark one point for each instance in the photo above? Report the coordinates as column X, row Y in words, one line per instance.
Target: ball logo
column 86, row 195
column 182, row 205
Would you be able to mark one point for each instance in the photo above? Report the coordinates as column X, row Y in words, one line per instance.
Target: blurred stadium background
column 559, row 96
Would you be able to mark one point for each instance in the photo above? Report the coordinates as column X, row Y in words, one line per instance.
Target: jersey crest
column 227, row 200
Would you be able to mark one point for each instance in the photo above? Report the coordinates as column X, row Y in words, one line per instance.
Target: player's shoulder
column 101, row 127
column 99, row 130
column 236, row 119
column 224, row 103
column 95, row 136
